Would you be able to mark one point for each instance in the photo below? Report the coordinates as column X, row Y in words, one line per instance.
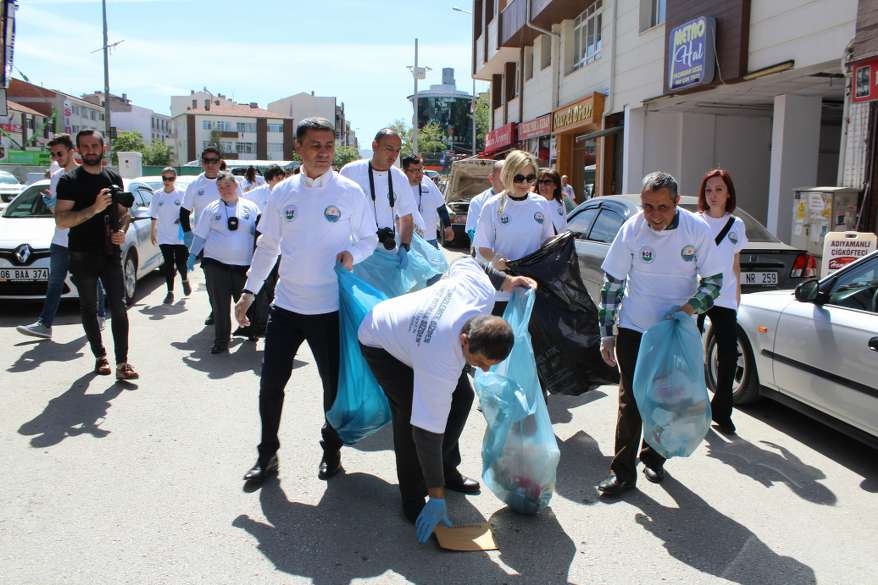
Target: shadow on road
column 561, row 405
column 160, row 311
column 42, row 351
column 696, row 534
column 775, row 464
column 581, row 467
column 243, row 355
column 336, row 541
column 73, row 413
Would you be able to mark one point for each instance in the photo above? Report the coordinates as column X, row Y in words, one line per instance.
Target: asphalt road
column 141, row 483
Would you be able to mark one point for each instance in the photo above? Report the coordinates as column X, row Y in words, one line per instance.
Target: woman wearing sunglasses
column 226, row 233
column 514, row 223
column 549, row 187
column 165, row 232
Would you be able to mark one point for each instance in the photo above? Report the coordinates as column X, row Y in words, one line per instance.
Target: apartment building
column 608, row 90
column 126, row 116
column 306, row 105
column 67, row 113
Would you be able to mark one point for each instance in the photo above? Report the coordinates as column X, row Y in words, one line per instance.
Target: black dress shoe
column 613, row 487
column 260, row 471
column 219, row 348
column 654, row 474
column 330, row 464
column 727, row 427
column 463, row 484
column 209, row 320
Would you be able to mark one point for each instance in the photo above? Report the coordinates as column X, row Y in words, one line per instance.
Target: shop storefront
column 536, row 137
column 501, row 140
column 574, row 127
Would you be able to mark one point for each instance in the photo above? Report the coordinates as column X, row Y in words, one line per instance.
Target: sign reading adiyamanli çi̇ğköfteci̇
column 691, row 53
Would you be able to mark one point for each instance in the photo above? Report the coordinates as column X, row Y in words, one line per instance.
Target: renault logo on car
column 23, row 253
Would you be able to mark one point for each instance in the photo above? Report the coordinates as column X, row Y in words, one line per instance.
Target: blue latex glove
column 403, row 256
column 187, row 238
column 49, row 202
column 472, row 235
column 190, row 262
column 433, row 513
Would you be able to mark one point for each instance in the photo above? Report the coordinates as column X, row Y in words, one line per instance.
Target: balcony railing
column 514, row 31
column 545, row 13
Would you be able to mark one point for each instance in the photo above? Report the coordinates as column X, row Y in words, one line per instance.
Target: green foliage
column 344, row 155
column 157, row 154
column 431, row 139
column 405, row 131
column 483, row 118
column 127, row 141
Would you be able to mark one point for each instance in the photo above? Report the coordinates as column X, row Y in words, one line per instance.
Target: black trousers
column 224, row 283
column 397, row 381
column 174, row 256
column 629, row 426
column 87, row 268
column 258, row 313
column 285, row 333
column 724, row 322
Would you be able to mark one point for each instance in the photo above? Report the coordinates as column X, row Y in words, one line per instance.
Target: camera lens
column 389, row 244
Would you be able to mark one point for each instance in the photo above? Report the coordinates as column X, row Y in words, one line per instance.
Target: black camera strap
column 724, row 231
column 390, row 198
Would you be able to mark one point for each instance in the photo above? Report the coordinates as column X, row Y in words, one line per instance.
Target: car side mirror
column 809, row 292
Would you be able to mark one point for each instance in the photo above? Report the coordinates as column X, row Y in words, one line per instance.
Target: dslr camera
column 387, row 238
column 121, row 196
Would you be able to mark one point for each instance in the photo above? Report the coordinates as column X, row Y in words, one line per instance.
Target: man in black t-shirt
column 97, row 228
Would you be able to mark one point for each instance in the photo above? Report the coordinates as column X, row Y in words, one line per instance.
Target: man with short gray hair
column 652, row 270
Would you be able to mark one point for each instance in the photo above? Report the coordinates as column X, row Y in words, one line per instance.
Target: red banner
column 865, row 80
column 500, row 138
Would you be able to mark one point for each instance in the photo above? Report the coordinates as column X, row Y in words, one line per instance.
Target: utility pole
column 106, row 80
column 417, row 73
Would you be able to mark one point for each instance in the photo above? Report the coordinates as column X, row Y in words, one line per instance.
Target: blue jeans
column 59, row 262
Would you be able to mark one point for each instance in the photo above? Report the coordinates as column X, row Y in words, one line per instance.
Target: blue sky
column 259, row 50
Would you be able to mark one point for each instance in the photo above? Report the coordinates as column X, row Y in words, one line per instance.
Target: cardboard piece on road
column 472, row 537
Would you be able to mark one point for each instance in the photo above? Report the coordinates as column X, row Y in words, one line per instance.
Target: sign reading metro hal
column 691, row 54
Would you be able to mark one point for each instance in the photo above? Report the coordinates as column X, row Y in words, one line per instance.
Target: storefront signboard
column 691, row 53
column 499, row 138
column 865, row 80
column 535, row 128
column 584, row 113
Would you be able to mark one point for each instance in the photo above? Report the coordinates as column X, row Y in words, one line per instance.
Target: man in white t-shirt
column 260, row 194
column 313, row 221
column 662, row 261
column 567, row 188
column 430, row 201
column 388, row 193
column 417, row 345
column 477, row 202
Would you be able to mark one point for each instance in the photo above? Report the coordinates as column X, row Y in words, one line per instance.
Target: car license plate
column 759, row 278
column 23, row 274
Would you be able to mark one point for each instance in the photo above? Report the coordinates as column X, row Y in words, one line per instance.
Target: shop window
column 528, row 63
column 587, row 35
column 545, row 51
column 652, row 13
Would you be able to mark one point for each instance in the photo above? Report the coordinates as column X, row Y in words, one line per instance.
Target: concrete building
column 450, row 108
column 608, row 90
column 23, row 127
column 126, row 116
column 305, row 105
column 242, row 131
column 67, row 113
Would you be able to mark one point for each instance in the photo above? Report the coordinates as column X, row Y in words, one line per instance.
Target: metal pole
column 415, row 101
column 106, row 80
column 475, row 150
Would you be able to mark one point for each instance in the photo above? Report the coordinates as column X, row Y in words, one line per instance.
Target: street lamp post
column 106, row 78
column 417, row 73
column 473, row 102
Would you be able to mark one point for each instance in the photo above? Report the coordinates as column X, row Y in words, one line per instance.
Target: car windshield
column 29, row 203
column 756, row 232
column 8, row 180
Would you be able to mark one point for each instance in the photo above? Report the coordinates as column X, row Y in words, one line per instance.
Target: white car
column 26, row 230
column 814, row 349
column 9, row 188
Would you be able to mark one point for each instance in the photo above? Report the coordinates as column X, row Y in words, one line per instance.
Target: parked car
column 9, row 188
column 766, row 262
column 814, row 349
column 26, row 230
column 468, row 178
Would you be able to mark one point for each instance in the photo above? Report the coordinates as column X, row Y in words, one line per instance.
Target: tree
column 483, row 118
column 431, row 139
column 406, row 133
column 157, row 154
column 127, row 141
column 344, row 155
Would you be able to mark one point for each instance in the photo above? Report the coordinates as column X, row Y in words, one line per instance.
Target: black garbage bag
column 564, row 323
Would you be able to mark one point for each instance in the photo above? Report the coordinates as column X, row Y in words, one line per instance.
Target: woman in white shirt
column 716, row 202
column 549, row 186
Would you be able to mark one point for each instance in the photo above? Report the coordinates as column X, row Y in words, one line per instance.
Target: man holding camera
column 92, row 204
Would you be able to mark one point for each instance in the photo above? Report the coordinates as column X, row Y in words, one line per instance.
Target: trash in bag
column 564, row 325
column 669, row 387
column 519, row 452
column 434, row 256
column 381, row 270
column 360, row 407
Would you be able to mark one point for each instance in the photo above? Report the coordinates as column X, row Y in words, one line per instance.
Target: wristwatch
column 248, row 292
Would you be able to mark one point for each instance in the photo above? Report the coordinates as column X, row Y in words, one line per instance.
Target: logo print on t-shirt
column 161, row 203
column 290, row 212
column 733, row 237
column 688, row 253
column 177, row 202
column 538, row 217
column 200, row 192
column 332, row 213
column 647, row 254
column 504, row 219
column 217, row 217
column 246, row 214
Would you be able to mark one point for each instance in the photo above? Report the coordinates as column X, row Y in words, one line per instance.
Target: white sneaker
column 101, row 322
column 36, row 330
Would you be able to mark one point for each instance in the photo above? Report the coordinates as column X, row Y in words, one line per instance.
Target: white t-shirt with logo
column 734, row 241
column 199, row 194
column 662, row 268
column 556, row 210
column 233, row 247
column 165, row 209
column 259, row 195
column 475, row 208
column 309, row 222
column 422, row 330
column 61, row 234
column 428, row 198
column 404, row 203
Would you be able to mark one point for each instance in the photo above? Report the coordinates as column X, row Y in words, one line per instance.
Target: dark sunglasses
column 547, row 182
column 57, row 154
column 210, row 161
column 169, row 179
column 521, row 178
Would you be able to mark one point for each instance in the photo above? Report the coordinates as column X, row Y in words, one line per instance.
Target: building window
column 207, row 125
column 92, row 115
column 545, row 51
column 222, row 125
column 587, row 35
column 274, row 127
column 275, row 147
column 528, row 63
column 246, row 127
column 652, row 13
column 243, row 147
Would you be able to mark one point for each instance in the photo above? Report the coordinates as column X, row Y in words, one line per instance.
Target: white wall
column 807, row 31
column 137, row 120
column 537, row 92
column 639, row 59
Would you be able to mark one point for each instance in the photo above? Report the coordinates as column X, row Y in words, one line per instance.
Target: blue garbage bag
column 360, row 407
column 381, row 270
column 669, row 387
column 519, row 452
column 434, row 256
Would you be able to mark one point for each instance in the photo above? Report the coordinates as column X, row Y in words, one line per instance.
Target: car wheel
column 745, row 383
column 129, row 276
